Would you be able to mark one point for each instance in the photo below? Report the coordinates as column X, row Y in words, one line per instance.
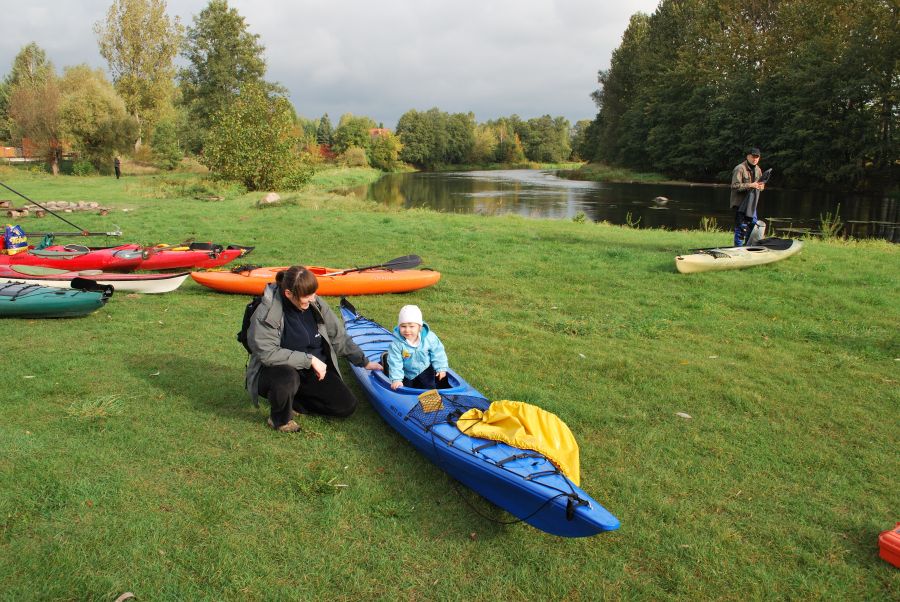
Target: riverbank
column 501, row 166
column 132, row 460
column 598, row 172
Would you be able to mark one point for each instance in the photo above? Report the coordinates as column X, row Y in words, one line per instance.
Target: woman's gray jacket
column 264, row 339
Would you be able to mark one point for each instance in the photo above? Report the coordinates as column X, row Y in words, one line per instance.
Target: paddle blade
column 407, row 262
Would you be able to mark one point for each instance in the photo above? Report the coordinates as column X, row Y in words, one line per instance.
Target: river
column 541, row 194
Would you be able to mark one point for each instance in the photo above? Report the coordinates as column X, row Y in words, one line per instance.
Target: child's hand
column 396, row 384
column 441, row 375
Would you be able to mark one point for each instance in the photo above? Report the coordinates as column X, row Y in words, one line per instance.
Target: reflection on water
column 536, row 193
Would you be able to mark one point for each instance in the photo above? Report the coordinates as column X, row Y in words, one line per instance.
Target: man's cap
column 753, row 151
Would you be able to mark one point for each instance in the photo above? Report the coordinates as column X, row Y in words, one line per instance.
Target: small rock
column 271, row 197
column 683, row 415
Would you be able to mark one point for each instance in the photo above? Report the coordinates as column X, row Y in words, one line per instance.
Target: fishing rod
column 116, row 232
column 82, row 231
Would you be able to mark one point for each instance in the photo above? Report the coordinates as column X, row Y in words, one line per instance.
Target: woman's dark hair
column 297, row 279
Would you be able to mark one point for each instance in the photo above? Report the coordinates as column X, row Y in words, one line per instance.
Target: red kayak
column 112, row 259
column 195, row 255
column 169, row 257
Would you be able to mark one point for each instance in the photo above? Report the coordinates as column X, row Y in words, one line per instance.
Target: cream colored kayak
column 765, row 251
column 131, row 282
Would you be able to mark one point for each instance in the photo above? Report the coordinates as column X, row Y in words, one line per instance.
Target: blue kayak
column 522, row 482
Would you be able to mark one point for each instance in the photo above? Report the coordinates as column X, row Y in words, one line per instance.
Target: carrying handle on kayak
column 407, row 262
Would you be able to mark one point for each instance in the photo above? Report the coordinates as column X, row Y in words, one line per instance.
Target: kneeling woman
column 295, row 339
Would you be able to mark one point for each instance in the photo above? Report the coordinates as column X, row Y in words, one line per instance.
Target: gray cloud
column 492, row 57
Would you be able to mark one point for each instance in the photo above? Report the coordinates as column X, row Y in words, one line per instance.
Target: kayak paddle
column 407, row 262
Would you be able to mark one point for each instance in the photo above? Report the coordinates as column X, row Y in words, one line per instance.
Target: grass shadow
column 208, row 385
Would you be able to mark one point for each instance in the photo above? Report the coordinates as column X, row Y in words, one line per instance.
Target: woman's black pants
column 287, row 388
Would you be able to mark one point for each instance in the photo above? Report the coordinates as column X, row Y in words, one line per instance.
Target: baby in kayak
column 416, row 357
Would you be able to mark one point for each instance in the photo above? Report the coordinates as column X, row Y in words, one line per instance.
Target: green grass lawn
column 132, row 460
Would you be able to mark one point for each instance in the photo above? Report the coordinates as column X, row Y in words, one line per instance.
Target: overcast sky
column 380, row 59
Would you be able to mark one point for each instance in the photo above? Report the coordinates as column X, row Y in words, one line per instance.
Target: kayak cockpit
column 457, row 384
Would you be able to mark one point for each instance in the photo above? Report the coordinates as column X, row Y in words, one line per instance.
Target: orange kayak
column 331, row 281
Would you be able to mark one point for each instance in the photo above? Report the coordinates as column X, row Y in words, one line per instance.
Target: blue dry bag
column 14, row 239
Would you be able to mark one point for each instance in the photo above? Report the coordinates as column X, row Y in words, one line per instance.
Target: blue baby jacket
column 409, row 361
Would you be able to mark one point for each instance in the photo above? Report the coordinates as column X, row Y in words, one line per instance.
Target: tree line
column 220, row 108
column 433, row 138
column 814, row 84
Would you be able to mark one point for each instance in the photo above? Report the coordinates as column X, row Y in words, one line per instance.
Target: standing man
column 117, row 166
column 744, row 180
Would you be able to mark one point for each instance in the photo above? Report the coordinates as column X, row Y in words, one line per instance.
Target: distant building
column 379, row 132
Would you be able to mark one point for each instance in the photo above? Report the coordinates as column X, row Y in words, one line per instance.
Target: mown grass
column 131, row 459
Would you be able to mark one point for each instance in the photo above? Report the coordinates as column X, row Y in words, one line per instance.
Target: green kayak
column 18, row 300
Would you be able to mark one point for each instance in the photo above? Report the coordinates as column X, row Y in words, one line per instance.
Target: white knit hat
column 410, row 314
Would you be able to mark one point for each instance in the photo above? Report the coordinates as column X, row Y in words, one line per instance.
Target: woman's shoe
column 288, row 427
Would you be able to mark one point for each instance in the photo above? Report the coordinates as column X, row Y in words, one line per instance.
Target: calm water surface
column 541, row 194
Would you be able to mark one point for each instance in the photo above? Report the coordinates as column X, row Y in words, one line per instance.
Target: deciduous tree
column 253, row 139
column 384, row 151
column 352, row 131
column 434, row 137
column 139, row 41
column 30, row 68
column 167, row 151
column 33, row 104
column 93, row 118
column 222, row 57
column 815, row 84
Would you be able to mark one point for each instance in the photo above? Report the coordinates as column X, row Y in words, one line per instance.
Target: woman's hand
column 396, row 385
column 441, row 375
column 318, row 366
column 374, row 366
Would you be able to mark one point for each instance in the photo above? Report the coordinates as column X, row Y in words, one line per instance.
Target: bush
column 142, row 154
column 252, row 140
column 83, row 167
column 167, row 153
column 298, row 177
column 354, row 157
column 384, row 152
